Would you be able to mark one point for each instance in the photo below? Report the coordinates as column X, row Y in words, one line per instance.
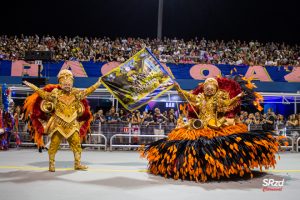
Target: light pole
column 160, row 19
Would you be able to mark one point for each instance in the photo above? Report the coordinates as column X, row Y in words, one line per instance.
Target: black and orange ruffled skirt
column 204, row 154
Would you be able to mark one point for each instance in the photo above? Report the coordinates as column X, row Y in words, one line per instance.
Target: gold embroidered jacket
column 67, row 108
column 211, row 108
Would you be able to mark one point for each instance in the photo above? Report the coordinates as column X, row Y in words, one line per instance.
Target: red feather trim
column 34, row 112
column 87, row 117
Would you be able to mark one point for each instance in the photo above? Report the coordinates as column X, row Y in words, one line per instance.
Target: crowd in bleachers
column 168, row 50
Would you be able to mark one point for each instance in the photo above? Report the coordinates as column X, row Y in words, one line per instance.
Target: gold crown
column 212, row 81
column 65, row 74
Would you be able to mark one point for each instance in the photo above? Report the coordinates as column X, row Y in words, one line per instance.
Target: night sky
column 262, row 20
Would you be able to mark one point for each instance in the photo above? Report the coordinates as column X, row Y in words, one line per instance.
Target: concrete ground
column 122, row 175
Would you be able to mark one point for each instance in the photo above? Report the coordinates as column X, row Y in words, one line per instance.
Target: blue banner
column 191, row 74
column 180, row 71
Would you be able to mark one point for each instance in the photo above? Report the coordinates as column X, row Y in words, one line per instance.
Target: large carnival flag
column 139, row 80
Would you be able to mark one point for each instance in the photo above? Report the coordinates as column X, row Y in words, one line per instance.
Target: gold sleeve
column 42, row 93
column 225, row 104
column 90, row 90
column 187, row 95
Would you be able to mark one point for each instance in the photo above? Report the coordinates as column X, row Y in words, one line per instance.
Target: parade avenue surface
column 123, row 175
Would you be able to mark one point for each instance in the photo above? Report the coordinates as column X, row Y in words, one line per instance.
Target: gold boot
column 51, row 163
column 78, row 165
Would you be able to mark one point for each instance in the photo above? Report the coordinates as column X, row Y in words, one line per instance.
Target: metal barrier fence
column 126, row 136
column 291, row 135
column 119, row 135
column 255, row 127
column 290, row 141
column 294, row 134
column 292, row 130
column 112, row 145
column 93, row 140
column 297, row 144
column 285, row 130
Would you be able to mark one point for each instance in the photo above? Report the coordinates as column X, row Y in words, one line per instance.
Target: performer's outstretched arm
column 226, row 104
column 42, row 93
column 186, row 95
column 91, row 89
column 234, row 100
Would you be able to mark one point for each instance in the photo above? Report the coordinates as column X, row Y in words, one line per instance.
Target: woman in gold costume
column 60, row 111
column 212, row 145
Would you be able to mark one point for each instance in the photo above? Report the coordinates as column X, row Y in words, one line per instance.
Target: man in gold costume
column 212, row 104
column 64, row 105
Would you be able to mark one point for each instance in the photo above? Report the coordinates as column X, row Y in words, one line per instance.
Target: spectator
column 158, row 117
column 99, row 116
column 171, row 121
column 123, row 116
column 112, row 116
column 292, row 121
column 269, row 121
column 280, row 123
column 257, row 116
column 250, row 120
column 293, row 124
column 172, row 112
column 135, row 122
column 136, row 118
column 148, row 119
